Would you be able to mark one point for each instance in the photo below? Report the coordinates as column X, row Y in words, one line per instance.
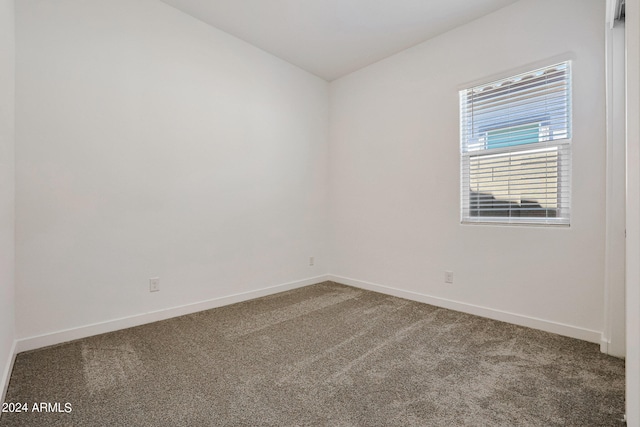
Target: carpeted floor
column 323, row 355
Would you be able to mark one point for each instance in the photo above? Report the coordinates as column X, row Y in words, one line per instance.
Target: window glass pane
column 522, row 184
column 517, row 135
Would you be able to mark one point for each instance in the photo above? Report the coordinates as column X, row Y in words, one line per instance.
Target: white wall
column 633, row 212
column 394, row 173
column 150, row 144
column 7, row 97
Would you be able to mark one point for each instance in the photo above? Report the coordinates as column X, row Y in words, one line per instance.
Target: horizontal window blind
column 515, row 141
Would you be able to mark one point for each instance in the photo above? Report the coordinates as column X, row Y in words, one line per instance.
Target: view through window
column 515, row 148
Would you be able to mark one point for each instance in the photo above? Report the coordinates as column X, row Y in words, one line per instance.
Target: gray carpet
column 321, row 355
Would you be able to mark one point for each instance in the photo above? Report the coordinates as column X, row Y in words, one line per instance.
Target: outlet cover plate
column 154, row 284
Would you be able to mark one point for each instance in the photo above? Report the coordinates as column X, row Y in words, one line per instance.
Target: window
column 515, row 143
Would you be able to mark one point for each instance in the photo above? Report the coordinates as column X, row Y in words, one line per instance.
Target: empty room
column 301, row 212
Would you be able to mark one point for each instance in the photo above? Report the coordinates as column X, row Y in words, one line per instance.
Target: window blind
column 515, row 142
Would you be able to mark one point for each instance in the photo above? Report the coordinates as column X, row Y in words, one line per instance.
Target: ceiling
column 331, row 38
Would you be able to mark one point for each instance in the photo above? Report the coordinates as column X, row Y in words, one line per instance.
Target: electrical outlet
column 154, row 284
column 448, row 277
column 312, row 260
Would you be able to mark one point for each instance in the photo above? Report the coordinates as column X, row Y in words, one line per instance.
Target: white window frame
column 475, row 149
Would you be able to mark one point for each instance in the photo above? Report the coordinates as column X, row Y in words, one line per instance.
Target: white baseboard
column 6, row 373
column 503, row 316
column 58, row 337
column 45, row 340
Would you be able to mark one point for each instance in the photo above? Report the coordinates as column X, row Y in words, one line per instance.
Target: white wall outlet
column 448, row 277
column 312, row 260
column 154, row 284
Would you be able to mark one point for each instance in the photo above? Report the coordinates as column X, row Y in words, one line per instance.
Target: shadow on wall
column 485, row 204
